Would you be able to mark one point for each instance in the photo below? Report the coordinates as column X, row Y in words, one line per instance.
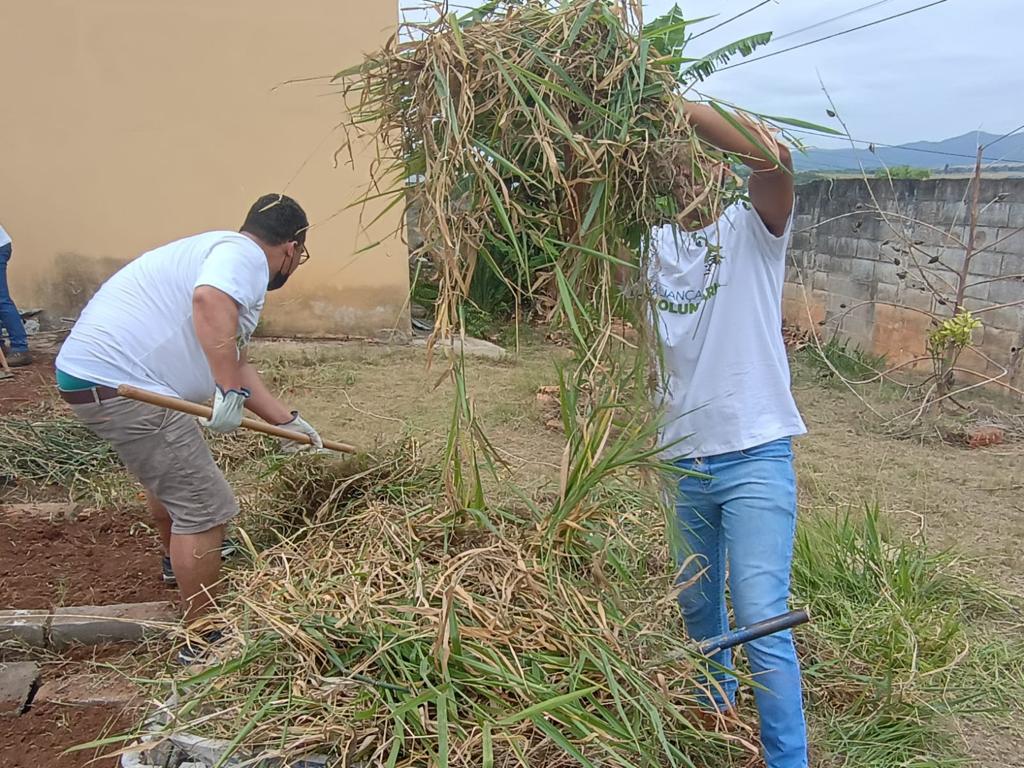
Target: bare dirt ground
column 102, row 557
column 969, row 500
column 29, row 386
column 38, row 738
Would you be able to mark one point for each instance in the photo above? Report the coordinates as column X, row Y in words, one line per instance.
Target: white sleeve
column 771, row 246
column 236, row 271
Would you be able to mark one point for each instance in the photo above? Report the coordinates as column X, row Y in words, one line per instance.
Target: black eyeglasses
column 303, row 254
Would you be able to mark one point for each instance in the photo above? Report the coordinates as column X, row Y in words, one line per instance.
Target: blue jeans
column 9, row 317
column 743, row 519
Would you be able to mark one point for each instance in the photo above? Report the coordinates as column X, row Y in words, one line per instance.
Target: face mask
column 277, row 280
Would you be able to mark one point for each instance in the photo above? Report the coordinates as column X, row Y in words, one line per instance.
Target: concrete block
column 987, row 263
column 1011, row 240
column 985, row 236
column 1006, row 291
column 28, row 627
column 899, row 333
column 928, row 211
column 845, row 247
column 17, row 680
column 873, row 250
column 1007, row 318
column 1013, row 264
column 887, row 273
column 96, row 624
column 89, row 690
column 887, row 292
column 803, row 221
column 820, row 281
column 952, row 212
column 842, row 285
column 976, row 291
column 918, row 299
column 994, row 214
column 951, row 257
column 803, row 259
column 801, row 241
column 998, row 343
column 860, row 270
column 471, row 348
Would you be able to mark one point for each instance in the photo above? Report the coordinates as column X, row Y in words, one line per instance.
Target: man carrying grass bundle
column 729, row 415
column 175, row 322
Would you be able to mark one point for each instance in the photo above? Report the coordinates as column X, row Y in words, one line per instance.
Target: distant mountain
column 936, row 155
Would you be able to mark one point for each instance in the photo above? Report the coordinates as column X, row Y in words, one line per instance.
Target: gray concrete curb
column 88, row 624
column 17, row 681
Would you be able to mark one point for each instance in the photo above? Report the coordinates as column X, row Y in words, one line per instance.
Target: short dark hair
column 276, row 219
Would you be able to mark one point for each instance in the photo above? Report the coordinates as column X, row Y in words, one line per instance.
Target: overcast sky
column 941, row 72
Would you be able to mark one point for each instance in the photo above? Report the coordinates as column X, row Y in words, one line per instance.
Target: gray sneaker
column 19, row 359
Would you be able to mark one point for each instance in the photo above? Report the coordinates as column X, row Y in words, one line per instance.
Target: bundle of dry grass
column 539, row 139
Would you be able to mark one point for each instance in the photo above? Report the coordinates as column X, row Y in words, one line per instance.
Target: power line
column 830, row 37
column 1016, row 130
column 854, row 12
column 729, row 21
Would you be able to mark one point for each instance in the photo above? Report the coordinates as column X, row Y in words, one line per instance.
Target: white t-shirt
column 138, row 329
column 719, row 310
column 5, row 239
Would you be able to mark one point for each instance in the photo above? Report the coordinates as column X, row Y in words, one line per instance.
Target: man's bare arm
column 261, row 401
column 771, row 180
column 215, row 318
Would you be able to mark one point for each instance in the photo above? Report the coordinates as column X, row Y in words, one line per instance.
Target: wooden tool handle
column 205, row 412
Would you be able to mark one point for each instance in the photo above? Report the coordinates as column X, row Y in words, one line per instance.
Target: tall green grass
column 904, row 641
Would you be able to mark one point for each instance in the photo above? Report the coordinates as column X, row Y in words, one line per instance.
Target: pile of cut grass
column 384, row 630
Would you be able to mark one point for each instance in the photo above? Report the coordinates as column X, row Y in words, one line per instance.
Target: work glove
column 228, row 407
column 299, row 424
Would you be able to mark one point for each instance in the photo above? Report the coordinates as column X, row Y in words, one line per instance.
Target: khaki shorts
column 165, row 450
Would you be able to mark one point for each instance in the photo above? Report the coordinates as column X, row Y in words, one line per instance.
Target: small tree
column 952, row 323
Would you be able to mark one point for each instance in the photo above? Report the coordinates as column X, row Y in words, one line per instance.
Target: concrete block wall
column 867, row 278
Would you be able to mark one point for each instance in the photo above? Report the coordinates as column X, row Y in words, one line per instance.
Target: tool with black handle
column 761, row 629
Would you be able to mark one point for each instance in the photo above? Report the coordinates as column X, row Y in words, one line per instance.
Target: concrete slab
column 96, row 624
column 48, row 510
column 25, row 626
column 471, row 348
column 87, row 690
column 16, row 682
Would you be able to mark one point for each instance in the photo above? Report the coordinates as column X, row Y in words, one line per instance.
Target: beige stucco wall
column 125, row 124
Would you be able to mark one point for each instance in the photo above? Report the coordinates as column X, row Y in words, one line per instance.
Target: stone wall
column 866, row 277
